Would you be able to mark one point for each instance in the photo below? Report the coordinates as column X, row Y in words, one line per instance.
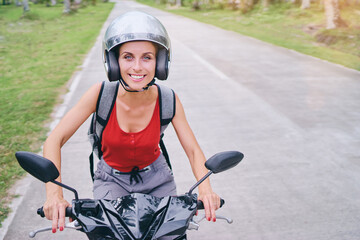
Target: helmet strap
column 128, row 89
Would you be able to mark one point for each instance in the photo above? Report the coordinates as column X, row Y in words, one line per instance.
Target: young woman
column 136, row 51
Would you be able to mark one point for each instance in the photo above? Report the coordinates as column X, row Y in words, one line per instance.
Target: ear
column 112, row 66
column 162, row 61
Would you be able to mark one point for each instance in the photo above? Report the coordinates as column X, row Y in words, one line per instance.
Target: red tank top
column 123, row 151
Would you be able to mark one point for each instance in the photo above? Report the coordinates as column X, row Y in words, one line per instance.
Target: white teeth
column 137, row 76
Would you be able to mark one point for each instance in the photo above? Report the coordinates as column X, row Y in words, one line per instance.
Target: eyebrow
column 142, row 54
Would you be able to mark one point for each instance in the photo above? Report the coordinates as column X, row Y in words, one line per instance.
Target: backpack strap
column 103, row 108
column 167, row 102
column 100, row 118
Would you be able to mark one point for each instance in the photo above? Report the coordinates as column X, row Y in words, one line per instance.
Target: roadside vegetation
column 282, row 23
column 39, row 51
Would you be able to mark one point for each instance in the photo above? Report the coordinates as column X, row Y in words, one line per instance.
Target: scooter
column 133, row 217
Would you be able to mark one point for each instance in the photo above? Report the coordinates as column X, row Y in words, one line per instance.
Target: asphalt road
column 296, row 119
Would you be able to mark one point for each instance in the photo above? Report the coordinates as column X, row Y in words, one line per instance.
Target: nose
column 137, row 65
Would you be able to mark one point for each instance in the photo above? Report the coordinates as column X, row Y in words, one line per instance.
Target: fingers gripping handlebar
column 68, row 212
column 194, row 223
column 200, row 204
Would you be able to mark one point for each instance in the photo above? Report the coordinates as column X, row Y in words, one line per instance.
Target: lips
column 137, row 78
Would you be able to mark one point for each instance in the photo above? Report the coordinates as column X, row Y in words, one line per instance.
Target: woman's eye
column 127, row 57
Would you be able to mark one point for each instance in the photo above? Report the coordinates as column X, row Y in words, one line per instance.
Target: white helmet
column 135, row 26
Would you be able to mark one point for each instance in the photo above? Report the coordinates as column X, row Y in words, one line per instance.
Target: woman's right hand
column 54, row 209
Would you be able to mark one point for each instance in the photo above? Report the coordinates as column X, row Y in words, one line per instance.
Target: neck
column 137, row 98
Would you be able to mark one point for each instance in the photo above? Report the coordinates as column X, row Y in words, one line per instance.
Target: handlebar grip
column 200, row 204
column 40, row 212
column 68, row 212
column 222, row 202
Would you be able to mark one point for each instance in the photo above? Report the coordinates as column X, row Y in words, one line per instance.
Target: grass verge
column 286, row 25
column 39, row 51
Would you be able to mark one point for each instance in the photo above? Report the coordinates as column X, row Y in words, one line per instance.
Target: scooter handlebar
column 68, row 212
column 200, row 204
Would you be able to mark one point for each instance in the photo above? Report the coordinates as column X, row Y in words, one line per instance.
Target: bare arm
column 197, row 160
column 55, row 204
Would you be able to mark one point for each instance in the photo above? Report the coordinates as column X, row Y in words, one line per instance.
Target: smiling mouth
column 137, row 77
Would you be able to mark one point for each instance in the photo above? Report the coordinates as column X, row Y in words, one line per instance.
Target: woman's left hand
column 211, row 203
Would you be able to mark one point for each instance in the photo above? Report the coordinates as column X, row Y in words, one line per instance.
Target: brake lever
column 73, row 225
column 229, row 220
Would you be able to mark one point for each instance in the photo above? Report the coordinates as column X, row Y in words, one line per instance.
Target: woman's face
column 137, row 61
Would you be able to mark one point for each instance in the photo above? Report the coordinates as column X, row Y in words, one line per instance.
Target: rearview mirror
column 40, row 167
column 218, row 163
column 223, row 161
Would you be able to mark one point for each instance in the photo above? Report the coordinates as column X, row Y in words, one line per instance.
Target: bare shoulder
column 89, row 99
column 178, row 102
column 93, row 92
column 179, row 111
column 95, row 89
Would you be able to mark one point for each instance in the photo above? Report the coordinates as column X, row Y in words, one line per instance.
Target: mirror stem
column 68, row 188
column 199, row 182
